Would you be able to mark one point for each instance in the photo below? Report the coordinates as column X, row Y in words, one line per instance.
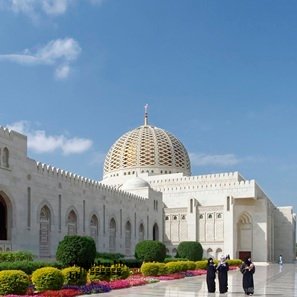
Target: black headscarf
column 248, row 261
column 210, row 261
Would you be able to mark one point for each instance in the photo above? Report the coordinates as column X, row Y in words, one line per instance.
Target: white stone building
column 147, row 192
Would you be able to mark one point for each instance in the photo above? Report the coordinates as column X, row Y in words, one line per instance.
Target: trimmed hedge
column 28, row 266
column 150, row 250
column 76, row 250
column 74, row 276
column 47, row 278
column 13, row 282
column 15, row 256
column 192, row 250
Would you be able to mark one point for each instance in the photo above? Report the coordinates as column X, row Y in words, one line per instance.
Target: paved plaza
column 270, row 280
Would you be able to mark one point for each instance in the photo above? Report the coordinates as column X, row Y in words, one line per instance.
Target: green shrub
column 111, row 256
column 103, row 261
column 192, row 250
column 173, row 267
column 74, row 276
column 47, row 278
column 123, row 271
column 234, row 262
column 150, row 250
column 76, row 250
column 27, row 266
column 107, row 273
column 166, row 260
column 191, row 265
column 13, row 282
column 131, row 263
column 201, row 264
column 150, row 269
column 97, row 273
column 162, row 269
column 14, row 256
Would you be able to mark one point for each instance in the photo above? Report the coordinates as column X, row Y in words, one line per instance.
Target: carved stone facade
column 147, row 193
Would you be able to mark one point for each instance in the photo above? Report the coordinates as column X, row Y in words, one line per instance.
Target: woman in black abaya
column 211, row 275
column 222, row 269
column 248, row 269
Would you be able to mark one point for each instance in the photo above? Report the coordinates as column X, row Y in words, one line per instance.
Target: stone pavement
column 270, row 280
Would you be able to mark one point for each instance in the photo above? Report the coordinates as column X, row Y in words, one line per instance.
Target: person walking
column 248, row 269
column 280, row 260
column 211, row 276
column 223, row 269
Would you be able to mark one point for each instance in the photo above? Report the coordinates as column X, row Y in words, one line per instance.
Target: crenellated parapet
column 10, row 134
column 69, row 177
column 202, row 182
column 5, row 132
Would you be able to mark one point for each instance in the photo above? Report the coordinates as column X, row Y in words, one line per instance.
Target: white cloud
column 62, row 71
column 54, row 7
column 59, row 53
column 213, row 160
column 40, row 142
column 33, row 8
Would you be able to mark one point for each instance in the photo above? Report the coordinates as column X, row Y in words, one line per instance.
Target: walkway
column 270, row 280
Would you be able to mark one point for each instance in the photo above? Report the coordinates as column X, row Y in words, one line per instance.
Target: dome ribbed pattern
column 150, row 148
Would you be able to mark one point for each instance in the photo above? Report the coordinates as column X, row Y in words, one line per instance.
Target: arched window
column 112, row 235
column 174, row 252
column 128, row 239
column 5, row 158
column 44, row 232
column 94, row 228
column 72, row 223
column 219, row 253
column 155, row 232
column 141, row 232
column 209, row 252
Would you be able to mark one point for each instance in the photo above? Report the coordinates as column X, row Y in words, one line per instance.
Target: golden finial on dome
column 145, row 115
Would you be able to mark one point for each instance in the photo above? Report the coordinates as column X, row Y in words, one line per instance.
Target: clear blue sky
column 220, row 75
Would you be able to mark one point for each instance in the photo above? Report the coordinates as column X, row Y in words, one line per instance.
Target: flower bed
column 105, row 286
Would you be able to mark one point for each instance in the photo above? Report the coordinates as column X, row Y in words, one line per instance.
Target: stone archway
column 3, row 219
column 245, row 234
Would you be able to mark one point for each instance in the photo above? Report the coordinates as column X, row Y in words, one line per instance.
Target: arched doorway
column 245, row 235
column 3, row 219
column 44, row 232
column 155, row 232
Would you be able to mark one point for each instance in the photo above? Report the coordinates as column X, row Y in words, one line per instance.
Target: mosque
column 147, row 192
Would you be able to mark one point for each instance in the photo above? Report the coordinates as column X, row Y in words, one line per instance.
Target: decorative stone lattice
column 148, row 147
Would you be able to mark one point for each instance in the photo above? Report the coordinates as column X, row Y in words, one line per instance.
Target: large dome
column 146, row 149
